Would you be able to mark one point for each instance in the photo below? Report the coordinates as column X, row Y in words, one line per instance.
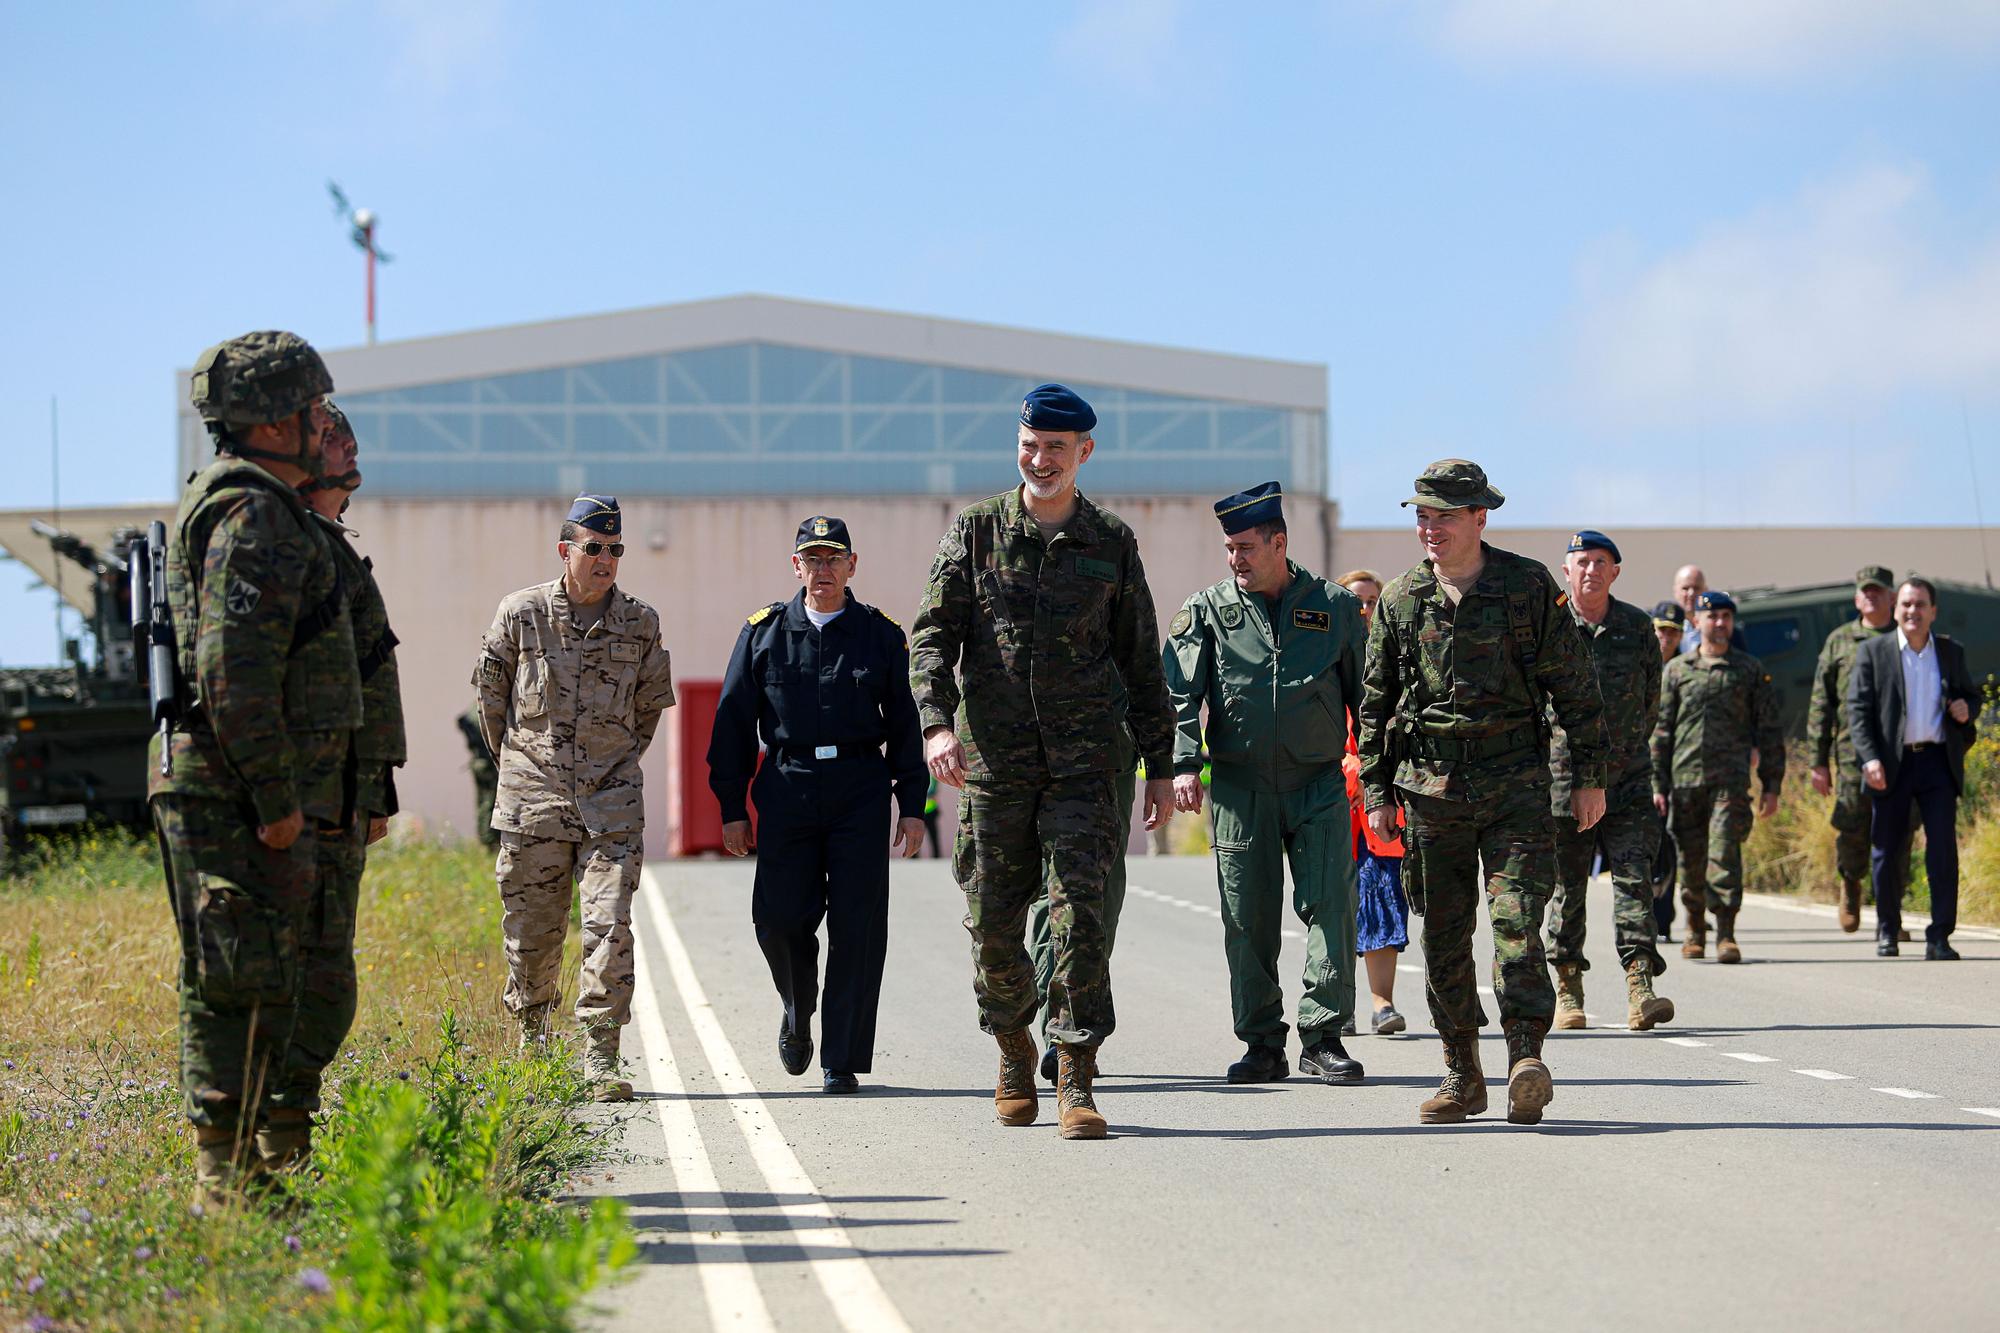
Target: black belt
column 1471, row 749
column 1923, row 745
column 852, row 750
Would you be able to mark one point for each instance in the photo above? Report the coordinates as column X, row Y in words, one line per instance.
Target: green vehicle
column 73, row 737
column 1786, row 627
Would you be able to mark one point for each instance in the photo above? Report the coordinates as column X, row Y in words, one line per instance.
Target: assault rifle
column 153, row 627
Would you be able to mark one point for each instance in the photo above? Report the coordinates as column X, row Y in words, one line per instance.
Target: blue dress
column 1382, row 915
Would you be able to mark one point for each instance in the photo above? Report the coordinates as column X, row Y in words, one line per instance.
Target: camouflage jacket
column 270, row 691
column 1278, row 695
column 1829, row 744
column 380, row 747
column 568, row 715
column 1713, row 712
column 1625, row 659
column 1453, row 697
column 1021, row 646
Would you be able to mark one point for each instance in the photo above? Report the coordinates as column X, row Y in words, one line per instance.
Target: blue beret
column 1246, row 509
column 1715, row 601
column 1054, row 407
column 1590, row 539
column 599, row 513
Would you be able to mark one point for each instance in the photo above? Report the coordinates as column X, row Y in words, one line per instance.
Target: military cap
column 1262, row 503
column 1874, row 576
column 1668, row 615
column 1455, row 483
column 819, row 530
column 1055, row 407
column 256, row 379
column 599, row 513
column 1714, row 600
column 1590, row 539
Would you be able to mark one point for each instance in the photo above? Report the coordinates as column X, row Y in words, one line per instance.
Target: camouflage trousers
column 1710, row 826
column 538, row 877
column 1629, row 836
column 1448, row 844
column 1853, row 809
column 485, row 786
column 1041, row 941
column 240, row 910
column 1013, row 836
column 327, row 990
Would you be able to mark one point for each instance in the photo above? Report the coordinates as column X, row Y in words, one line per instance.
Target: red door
column 701, row 815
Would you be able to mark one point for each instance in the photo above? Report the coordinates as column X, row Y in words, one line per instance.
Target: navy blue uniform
column 833, row 707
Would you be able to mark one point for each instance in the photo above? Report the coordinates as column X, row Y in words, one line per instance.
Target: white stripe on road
column 1826, row 1074
column 858, row 1300
column 1682, row 1041
column 728, row 1282
column 1993, row 1111
column 1748, row 1058
column 1910, row 1093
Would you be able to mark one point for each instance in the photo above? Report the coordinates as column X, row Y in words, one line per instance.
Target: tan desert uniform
column 567, row 714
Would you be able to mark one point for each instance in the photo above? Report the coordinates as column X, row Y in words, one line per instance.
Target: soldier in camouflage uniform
column 255, row 765
column 327, row 995
column 1625, row 658
column 1465, row 653
column 1036, row 614
column 572, row 679
column 1716, row 706
column 1830, row 745
column 485, row 777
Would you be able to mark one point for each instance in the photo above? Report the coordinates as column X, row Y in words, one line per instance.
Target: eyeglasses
column 616, row 549
column 821, row 561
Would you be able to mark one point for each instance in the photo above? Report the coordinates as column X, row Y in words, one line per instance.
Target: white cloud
column 1127, row 43
column 1726, row 37
column 1837, row 299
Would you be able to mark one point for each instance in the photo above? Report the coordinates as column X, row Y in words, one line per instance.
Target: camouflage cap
column 257, row 378
column 1873, row 576
column 1455, row 483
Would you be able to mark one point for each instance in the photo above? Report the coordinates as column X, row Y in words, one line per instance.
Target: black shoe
column 1940, row 951
column 795, row 1051
column 1049, row 1065
column 835, row 1080
column 1261, row 1064
column 1330, row 1062
column 1885, row 947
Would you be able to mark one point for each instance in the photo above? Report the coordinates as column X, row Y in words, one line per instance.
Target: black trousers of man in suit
column 1923, row 787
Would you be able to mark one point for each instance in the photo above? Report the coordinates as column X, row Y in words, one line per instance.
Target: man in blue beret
column 572, row 680
column 1273, row 652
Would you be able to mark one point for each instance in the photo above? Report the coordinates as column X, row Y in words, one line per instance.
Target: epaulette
column 886, row 616
column 763, row 613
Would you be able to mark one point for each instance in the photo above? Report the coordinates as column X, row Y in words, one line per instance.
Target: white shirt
column 820, row 619
column 1923, row 692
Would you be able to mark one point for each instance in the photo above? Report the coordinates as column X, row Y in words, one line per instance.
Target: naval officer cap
column 1455, row 483
column 1056, row 407
column 1590, row 539
column 1874, row 576
column 820, row 531
column 599, row 513
column 1669, row 615
column 1715, row 601
column 1263, row 503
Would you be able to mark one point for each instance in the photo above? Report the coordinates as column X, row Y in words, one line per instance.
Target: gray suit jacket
column 1875, row 703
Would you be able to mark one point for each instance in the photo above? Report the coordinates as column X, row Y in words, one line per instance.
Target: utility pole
column 362, row 223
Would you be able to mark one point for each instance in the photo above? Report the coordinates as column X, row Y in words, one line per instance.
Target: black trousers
column 1923, row 787
column 823, row 854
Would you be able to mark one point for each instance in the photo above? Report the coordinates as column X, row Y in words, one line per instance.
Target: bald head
column 1689, row 583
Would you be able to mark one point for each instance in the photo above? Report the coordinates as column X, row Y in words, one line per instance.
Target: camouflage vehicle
column 73, row 737
column 1785, row 627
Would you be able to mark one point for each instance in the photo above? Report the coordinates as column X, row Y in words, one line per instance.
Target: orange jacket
column 1350, row 765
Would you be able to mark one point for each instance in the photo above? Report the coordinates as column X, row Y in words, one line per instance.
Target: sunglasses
column 616, row 549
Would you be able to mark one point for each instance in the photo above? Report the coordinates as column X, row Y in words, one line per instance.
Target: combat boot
column 1725, row 939
column 1463, row 1091
column 1850, row 905
column 1075, row 1111
column 600, row 1065
column 1569, row 997
column 225, row 1169
column 534, row 1021
column 1014, row 1099
column 1696, row 944
column 1529, row 1087
column 285, row 1141
column 1644, row 1010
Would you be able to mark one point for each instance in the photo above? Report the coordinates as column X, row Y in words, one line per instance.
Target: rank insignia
column 1312, row 620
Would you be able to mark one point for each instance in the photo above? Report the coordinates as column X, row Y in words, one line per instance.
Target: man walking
column 1036, row 615
column 824, row 680
column 572, row 679
column 1274, row 654
column 1466, row 653
column 1717, row 706
column 1625, row 659
column 1910, row 706
column 1830, row 745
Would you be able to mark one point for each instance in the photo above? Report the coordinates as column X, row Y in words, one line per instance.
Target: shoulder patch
column 1181, row 622
column 242, row 598
column 761, row 614
column 1562, row 599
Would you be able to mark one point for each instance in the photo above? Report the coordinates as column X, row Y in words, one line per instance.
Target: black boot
column 1261, row 1064
column 1329, row 1060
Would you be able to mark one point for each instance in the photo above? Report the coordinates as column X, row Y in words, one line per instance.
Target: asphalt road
column 1814, row 1143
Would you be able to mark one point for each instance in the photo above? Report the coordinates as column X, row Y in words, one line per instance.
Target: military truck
column 1786, row 627
column 73, row 737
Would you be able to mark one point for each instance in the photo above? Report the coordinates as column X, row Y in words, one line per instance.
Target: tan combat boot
column 1463, row 1091
column 225, row 1170
column 534, row 1021
column 1725, row 939
column 1850, row 905
column 1695, row 946
column 1014, row 1101
column 1075, row 1111
column 1569, row 997
column 1529, row 1086
column 285, row 1141
column 1644, row 1010
column 600, row 1065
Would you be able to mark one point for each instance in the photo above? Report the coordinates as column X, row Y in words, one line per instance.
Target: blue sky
column 1732, row 262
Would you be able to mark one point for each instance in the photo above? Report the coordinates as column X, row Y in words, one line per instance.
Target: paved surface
column 1814, row 1143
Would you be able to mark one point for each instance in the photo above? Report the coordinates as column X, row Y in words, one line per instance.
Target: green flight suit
column 1279, row 683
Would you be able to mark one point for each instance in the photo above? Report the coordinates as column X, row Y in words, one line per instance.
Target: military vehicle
column 1786, row 627
column 73, row 737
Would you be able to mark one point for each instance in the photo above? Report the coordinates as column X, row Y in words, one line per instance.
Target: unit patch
column 242, row 597
column 1312, row 619
column 1180, row 623
column 1232, row 616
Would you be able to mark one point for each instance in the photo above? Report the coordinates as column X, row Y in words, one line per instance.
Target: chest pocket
column 623, row 674
column 531, row 687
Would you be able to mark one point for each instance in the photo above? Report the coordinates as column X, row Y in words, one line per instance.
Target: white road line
column 1993, row 1111
column 728, row 1281
column 1749, row 1058
column 1826, row 1074
column 1910, row 1093
column 1682, row 1041
column 858, row 1300
column 1409, row 967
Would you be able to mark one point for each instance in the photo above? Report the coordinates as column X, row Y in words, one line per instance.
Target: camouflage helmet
column 257, row 379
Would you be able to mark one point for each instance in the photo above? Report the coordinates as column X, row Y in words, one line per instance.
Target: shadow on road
column 673, row 1252
column 1570, row 1128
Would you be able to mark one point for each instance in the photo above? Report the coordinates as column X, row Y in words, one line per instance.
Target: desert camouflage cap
column 1874, row 576
column 258, row 378
column 1455, row 483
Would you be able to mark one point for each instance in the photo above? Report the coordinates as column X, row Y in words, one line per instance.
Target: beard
column 1044, row 490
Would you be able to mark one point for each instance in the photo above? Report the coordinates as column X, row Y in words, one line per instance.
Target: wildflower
column 294, row 1244
column 55, row 1157
column 313, row 1280
column 85, row 1216
column 143, row 1253
column 172, row 1293
column 198, row 1211
column 6, row 1064
column 35, row 1284
column 41, row 1323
